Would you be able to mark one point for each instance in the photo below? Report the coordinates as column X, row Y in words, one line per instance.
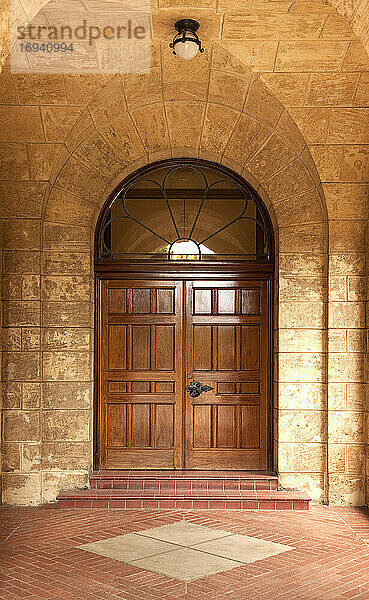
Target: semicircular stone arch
column 238, row 123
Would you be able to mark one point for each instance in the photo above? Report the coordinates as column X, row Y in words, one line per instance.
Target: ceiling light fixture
column 186, row 43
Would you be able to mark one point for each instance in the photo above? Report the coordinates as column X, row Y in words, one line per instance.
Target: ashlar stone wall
column 279, row 96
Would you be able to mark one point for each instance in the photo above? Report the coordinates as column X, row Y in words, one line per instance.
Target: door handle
column 195, row 389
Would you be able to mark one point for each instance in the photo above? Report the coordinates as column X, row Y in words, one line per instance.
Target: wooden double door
column 157, row 337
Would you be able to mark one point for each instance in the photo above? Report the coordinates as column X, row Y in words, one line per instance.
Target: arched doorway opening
column 184, row 268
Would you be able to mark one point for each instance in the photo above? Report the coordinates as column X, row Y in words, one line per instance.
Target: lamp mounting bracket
column 187, row 25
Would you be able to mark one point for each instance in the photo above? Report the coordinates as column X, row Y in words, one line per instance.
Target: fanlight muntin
column 177, row 246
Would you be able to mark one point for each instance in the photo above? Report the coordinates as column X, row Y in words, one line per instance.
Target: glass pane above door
column 185, row 211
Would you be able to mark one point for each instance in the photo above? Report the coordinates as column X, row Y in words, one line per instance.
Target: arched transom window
column 184, row 210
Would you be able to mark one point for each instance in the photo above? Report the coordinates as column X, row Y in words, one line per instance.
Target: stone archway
column 263, row 144
column 131, row 121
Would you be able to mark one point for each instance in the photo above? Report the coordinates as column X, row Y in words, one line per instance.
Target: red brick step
column 184, row 489
column 182, row 480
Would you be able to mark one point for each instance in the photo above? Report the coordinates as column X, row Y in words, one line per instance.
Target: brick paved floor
column 40, row 559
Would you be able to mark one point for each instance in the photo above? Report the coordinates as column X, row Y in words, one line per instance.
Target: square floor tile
column 242, row 548
column 128, row 547
column 184, row 533
column 185, row 551
column 186, row 564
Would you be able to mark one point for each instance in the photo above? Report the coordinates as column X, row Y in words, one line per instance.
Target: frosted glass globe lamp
column 186, row 43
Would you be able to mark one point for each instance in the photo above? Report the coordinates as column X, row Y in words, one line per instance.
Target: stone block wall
column 279, row 96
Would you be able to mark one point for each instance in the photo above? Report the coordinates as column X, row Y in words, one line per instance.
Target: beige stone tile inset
column 228, row 89
column 74, row 177
column 347, row 235
column 337, row 458
column 301, row 340
column 11, row 457
column 304, row 208
column 362, row 92
column 303, row 238
column 243, row 548
column 308, row 288
column 62, row 288
column 337, row 28
column 122, row 136
column 346, row 489
column 129, row 547
column 31, row 395
column 347, row 367
column 347, row 263
column 301, row 366
column 31, row 457
column 21, row 314
column 21, row 234
column 313, row 483
column 186, row 564
column 273, row 156
column 290, row 181
column 346, row 314
column 295, row 264
column 143, row 88
column 23, row 199
column 66, row 338
column 346, row 426
column 184, row 533
column 97, row 155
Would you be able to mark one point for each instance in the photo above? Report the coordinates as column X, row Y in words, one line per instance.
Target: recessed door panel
column 227, row 350
column 141, row 374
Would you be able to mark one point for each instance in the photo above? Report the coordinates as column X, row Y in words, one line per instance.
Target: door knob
column 195, row 389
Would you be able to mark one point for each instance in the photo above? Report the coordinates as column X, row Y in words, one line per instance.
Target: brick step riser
column 185, row 504
column 180, row 486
